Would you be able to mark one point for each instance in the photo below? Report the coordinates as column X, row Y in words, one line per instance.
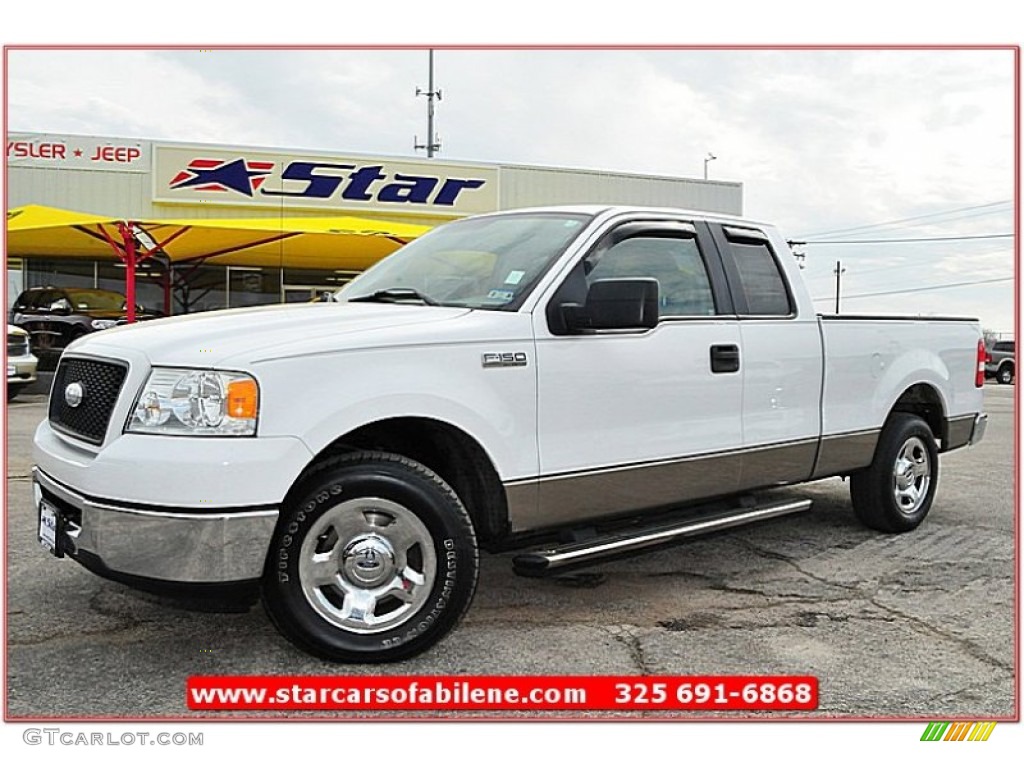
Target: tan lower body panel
column 589, row 495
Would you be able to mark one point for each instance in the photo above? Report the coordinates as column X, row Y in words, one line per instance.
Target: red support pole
column 129, row 259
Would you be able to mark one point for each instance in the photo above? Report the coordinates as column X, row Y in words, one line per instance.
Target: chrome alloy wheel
column 367, row 565
column 911, row 476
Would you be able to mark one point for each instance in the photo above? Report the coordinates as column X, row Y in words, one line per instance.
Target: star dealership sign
column 238, row 175
column 231, row 176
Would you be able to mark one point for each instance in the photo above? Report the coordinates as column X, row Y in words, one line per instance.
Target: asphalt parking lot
column 919, row 625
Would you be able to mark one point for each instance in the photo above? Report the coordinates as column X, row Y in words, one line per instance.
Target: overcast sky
column 824, row 141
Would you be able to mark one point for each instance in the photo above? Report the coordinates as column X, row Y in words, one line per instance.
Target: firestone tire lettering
column 437, row 580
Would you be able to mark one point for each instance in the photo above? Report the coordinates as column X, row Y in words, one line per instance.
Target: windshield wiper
column 396, row 295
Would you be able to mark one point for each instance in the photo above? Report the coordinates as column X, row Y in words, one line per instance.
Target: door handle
column 725, row 358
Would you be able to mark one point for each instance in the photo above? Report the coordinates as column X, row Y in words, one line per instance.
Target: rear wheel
column 374, row 559
column 1005, row 375
column 895, row 493
column 13, row 390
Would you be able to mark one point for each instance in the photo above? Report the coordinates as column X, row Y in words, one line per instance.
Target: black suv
column 57, row 316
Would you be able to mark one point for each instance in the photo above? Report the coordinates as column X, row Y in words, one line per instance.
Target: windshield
column 489, row 262
column 86, row 299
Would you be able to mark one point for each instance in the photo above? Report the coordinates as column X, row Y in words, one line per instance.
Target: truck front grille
column 100, row 382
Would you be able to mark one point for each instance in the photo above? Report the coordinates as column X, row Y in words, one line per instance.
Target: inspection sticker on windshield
column 502, row 295
column 514, row 277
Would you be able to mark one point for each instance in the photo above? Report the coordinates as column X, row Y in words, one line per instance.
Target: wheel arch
column 924, row 400
column 447, row 450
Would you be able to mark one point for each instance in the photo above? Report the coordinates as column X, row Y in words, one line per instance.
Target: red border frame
column 521, row 717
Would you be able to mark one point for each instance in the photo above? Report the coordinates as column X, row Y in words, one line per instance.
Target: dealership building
column 212, row 226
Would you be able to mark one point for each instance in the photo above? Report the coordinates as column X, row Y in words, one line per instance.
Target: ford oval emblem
column 74, row 393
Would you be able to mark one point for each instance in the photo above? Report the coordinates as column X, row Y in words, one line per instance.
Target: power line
column 900, row 240
column 919, row 290
column 861, row 272
column 922, row 217
column 907, row 262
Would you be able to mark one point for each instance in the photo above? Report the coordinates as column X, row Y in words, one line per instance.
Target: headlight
column 181, row 401
column 102, row 325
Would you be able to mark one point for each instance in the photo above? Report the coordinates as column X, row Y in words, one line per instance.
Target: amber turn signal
column 243, row 399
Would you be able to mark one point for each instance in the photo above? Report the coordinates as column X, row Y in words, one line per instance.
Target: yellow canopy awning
column 328, row 242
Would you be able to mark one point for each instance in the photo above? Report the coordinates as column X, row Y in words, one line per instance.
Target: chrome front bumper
column 20, row 371
column 218, row 546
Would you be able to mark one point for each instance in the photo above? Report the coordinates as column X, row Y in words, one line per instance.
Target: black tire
column 895, row 493
column 355, row 539
column 1005, row 375
column 13, row 390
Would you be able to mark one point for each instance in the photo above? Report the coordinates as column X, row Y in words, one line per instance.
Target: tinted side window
column 683, row 284
column 1004, row 346
column 760, row 279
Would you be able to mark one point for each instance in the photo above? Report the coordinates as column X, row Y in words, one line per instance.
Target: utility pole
column 839, row 276
column 433, row 142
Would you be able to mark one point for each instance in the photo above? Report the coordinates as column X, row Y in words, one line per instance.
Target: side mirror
column 615, row 304
column 60, row 307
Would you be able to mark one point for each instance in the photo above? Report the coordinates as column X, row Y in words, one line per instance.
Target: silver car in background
column 21, row 364
column 1000, row 363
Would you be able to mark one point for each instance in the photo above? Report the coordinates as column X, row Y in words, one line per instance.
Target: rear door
column 782, row 360
column 640, row 418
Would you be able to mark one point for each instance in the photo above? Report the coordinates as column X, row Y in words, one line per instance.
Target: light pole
column 707, row 160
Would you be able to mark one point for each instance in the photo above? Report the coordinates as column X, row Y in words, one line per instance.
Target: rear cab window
column 756, row 280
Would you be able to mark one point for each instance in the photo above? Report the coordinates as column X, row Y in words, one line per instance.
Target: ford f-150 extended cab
column 574, row 382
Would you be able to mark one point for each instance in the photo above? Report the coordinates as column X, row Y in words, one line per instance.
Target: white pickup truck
column 583, row 381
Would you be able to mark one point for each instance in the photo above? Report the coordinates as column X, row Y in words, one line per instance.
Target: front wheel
column 374, row 559
column 1005, row 375
column 895, row 493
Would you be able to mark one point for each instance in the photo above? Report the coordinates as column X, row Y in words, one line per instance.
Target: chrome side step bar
column 545, row 561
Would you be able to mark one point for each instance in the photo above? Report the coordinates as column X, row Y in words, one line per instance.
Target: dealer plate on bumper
column 48, row 526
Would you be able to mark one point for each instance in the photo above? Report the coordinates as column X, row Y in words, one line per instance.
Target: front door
column 630, row 420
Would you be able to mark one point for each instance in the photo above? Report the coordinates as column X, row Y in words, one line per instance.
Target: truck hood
column 242, row 335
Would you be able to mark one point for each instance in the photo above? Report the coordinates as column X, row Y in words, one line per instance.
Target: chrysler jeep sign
column 80, row 153
column 241, row 177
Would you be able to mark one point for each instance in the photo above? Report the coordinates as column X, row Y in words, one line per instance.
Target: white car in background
column 21, row 364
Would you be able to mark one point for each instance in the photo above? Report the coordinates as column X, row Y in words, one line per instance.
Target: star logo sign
column 238, row 175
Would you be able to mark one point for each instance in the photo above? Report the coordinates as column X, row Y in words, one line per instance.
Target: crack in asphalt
column 970, row 647
column 627, row 637
column 111, row 632
column 802, row 619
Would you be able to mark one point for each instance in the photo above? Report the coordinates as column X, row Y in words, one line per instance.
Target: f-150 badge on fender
column 504, row 359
